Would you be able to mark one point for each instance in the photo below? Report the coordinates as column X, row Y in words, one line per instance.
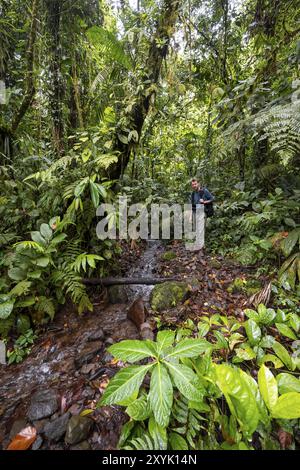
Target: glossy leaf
column 124, row 383
column 161, row 394
column 287, row 406
column 285, row 330
column 288, row 383
column 190, row 348
column 133, row 350
column 267, row 386
column 253, row 332
column 186, row 381
column 165, row 339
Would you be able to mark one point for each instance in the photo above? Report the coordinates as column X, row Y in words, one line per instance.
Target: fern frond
column 107, row 44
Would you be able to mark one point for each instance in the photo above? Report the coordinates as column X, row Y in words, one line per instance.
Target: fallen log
column 111, row 281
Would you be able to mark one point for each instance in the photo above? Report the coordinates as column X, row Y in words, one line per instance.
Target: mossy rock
column 168, row 295
column 215, row 263
column 169, row 255
column 243, row 286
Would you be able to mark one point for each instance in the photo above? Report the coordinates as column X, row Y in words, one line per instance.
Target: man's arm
column 209, row 197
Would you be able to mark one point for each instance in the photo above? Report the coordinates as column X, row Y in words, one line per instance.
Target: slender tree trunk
column 30, row 86
column 56, row 86
column 157, row 53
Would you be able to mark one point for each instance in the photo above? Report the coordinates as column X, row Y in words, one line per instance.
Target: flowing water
column 51, row 363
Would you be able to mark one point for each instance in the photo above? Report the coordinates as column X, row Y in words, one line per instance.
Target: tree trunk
column 111, row 281
column 56, row 86
column 157, row 54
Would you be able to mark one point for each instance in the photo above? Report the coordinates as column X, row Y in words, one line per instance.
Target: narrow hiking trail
column 69, row 366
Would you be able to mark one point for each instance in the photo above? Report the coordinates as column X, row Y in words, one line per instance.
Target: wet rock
column 168, row 294
column 117, row 295
column 146, row 331
column 109, row 341
column 39, row 425
column 55, row 430
column 137, row 312
column 43, row 404
column 87, row 353
column 97, row 335
column 18, row 425
column 37, row 443
column 78, row 429
column 87, row 368
column 75, row 409
column 2, row 353
column 107, row 357
column 84, row 445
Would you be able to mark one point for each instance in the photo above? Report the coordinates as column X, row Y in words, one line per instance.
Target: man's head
column 195, row 184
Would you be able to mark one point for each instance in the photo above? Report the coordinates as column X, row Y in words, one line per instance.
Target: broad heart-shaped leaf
column 124, row 384
column 139, row 409
column 253, row 332
column 161, row 394
column 267, row 386
column 239, row 396
column 177, row 442
column 186, row 381
column 285, row 330
column 43, row 261
column 6, row 306
column 165, row 339
column 58, row 239
column 46, row 231
column 287, row 406
column 283, row 355
column 287, row 383
column 190, row 348
column 133, row 350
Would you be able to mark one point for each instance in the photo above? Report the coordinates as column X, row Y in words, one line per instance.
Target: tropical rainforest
column 101, row 99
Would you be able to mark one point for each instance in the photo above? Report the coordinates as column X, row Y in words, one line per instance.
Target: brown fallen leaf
column 24, row 439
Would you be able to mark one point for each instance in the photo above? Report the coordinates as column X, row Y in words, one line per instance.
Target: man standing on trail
column 202, row 207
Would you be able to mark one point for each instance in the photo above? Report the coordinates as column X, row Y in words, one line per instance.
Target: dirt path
column 71, row 363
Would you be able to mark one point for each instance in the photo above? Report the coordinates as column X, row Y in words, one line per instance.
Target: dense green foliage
column 106, row 98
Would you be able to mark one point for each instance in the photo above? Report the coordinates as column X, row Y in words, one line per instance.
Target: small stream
column 53, row 362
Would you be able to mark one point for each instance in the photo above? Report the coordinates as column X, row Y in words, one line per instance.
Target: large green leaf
column 253, row 332
column 295, row 321
column 287, row 406
column 252, row 314
column 46, row 231
column 190, row 348
column 290, row 241
column 239, row 396
column 158, row 434
column 161, row 394
column 124, row 384
column 177, row 442
column 186, row 381
column 6, row 306
column 94, row 194
column 38, row 238
column 17, row 274
column 267, row 386
column 285, row 330
column 283, row 355
column 139, row 409
column 165, row 339
column 133, row 350
column 288, row 383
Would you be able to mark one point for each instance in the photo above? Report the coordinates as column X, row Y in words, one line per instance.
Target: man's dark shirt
column 203, row 193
